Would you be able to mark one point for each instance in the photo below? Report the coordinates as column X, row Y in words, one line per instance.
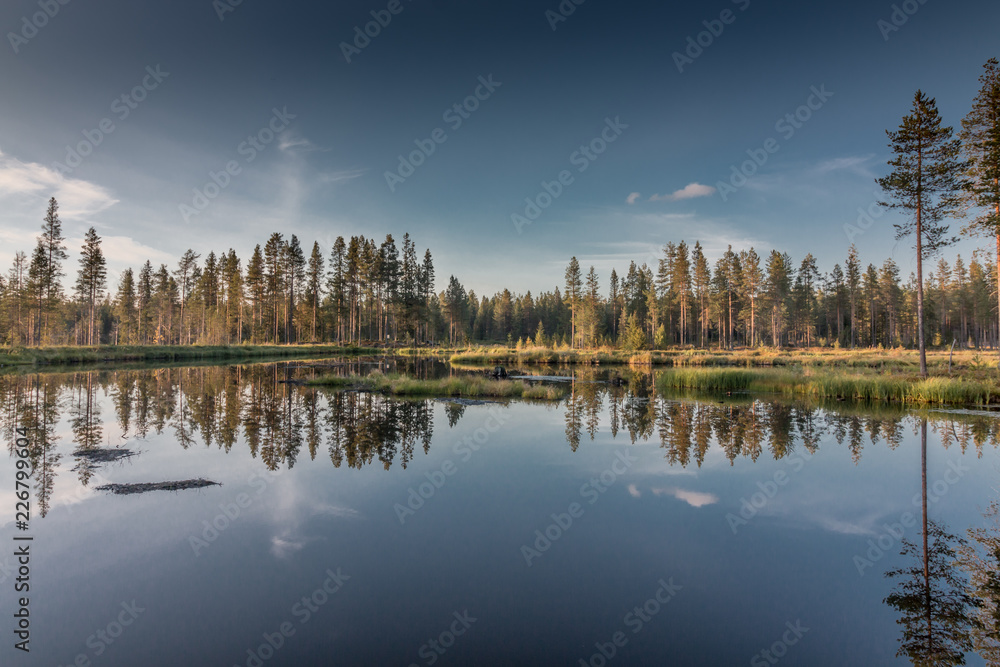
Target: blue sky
column 200, row 78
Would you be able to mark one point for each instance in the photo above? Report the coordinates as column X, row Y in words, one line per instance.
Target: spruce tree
column 335, row 284
column 313, row 289
column 185, row 270
column 256, row 287
column 702, row 283
column 234, row 296
column 125, row 309
column 751, row 278
column 427, row 288
column 853, row 276
column 144, row 298
column 574, row 284
column 47, row 262
column 613, row 297
column 91, row 278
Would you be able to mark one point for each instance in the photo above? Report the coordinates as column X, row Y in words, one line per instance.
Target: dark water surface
column 356, row 529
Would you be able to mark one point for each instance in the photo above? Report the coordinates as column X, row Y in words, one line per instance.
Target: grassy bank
column 905, row 389
column 104, row 353
column 895, row 359
column 967, row 363
column 464, row 386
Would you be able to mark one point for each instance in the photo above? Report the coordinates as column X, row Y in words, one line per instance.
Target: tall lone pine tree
column 924, row 183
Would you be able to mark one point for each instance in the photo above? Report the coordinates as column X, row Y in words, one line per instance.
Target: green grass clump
column 879, row 388
column 466, row 386
column 714, row 379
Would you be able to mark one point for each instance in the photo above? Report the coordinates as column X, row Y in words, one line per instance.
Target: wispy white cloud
column 631, row 199
column 689, row 191
column 340, row 176
column 293, row 142
column 825, row 181
column 283, row 548
column 33, row 183
column 692, row 498
column 855, row 163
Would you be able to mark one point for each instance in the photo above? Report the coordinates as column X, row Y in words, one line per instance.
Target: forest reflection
column 266, row 409
column 943, row 614
column 686, row 424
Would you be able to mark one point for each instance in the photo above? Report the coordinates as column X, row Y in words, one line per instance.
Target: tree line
column 360, row 290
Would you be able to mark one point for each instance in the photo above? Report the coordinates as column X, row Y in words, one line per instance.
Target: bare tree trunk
column 920, row 293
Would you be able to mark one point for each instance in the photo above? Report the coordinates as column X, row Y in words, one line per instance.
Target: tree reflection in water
column 935, row 609
column 279, row 420
column 222, row 405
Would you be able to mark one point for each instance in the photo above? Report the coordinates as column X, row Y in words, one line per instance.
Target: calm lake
column 619, row 525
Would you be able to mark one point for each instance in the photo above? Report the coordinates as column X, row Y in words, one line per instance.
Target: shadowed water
column 618, row 525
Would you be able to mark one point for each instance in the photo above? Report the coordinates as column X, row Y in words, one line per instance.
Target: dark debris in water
column 145, row 487
column 95, row 457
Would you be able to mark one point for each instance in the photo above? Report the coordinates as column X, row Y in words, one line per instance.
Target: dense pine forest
column 361, row 290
